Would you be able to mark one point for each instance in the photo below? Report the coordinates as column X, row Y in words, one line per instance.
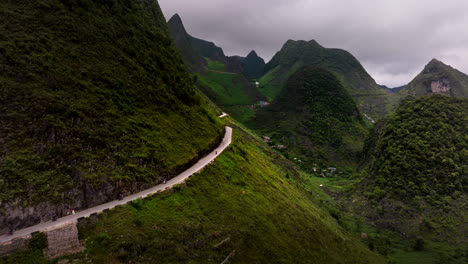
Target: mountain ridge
column 370, row 98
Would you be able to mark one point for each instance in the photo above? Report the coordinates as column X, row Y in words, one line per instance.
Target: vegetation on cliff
column 93, row 93
column 227, row 81
column 416, row 176
column 421, row 151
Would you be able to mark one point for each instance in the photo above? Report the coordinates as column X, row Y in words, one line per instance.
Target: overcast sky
column 393, row 39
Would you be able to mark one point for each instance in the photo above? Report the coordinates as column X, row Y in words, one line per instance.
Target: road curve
column 100, row 208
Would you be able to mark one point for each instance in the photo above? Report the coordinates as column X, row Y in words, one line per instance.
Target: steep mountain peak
column 302, row 43
column 253, row 54
column 435, row 61
column 315, row 43
column 183, row 42
column 294, row 54
column 175, row 19
column 435, row 64
column 290, row 41
column 313, row 111
column 176, row 25
column 439, row 78
column 253, row 66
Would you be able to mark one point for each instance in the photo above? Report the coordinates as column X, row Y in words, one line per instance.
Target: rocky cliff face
column 440, row 86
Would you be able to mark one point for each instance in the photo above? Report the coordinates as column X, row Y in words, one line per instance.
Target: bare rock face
column 440, row 86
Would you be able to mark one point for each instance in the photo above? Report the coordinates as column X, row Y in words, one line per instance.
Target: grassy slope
column 215, row 65
column 226, row 89
column 272, row 83
column 244, row 195
column 90, row 92
column 230, row 90
column 396, row 248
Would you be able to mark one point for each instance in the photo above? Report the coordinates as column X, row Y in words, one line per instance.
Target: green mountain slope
column 94, row 102
column 246, row 202
column 417, row 171
column 370, row 98
column 438, row 78
column 315, row 117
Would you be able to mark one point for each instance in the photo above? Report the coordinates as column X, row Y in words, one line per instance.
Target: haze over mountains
column 374, row 100
column 98, row 102
column 322, row 102
column 195, row 51
column 393, row 48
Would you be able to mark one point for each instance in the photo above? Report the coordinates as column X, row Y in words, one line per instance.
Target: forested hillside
column 315, row 118
column 422, row 149
column 95, row 102
column 416, row 176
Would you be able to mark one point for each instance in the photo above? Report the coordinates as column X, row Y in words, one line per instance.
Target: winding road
column 100, row 208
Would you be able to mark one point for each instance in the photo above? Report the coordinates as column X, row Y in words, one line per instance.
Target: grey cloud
column 394, row 39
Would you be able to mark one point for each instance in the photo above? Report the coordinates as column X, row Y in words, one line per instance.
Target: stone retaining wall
column 63, row 241
column 14, row 246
